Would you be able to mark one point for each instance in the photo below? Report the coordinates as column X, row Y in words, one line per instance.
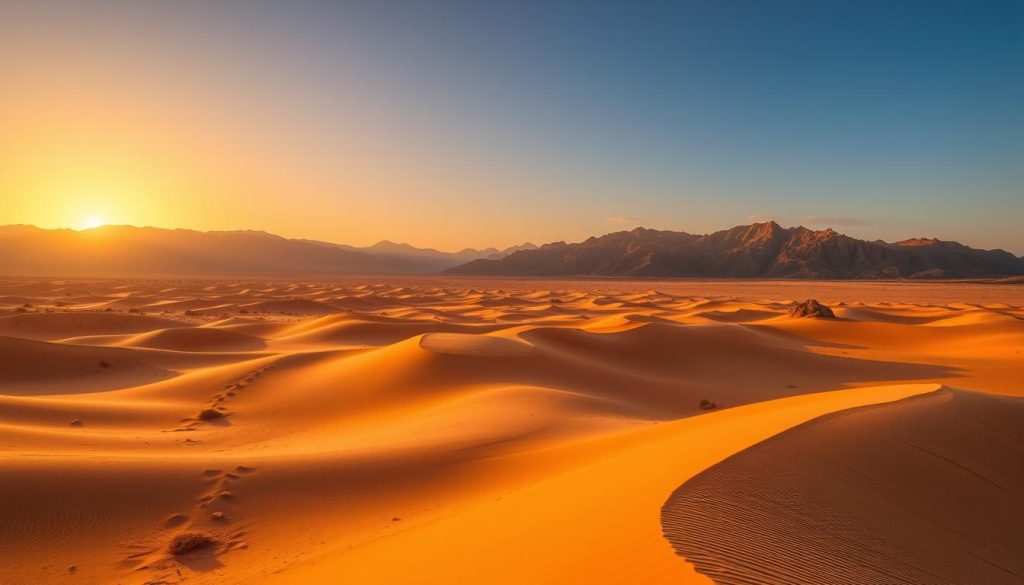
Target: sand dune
column 601, row 496
column 291, row 307
column 195, row 339
column 52, row 326
column 370, row 330
column 39, row 367
column 925, row 490
column 481, row 345
column 442, row 431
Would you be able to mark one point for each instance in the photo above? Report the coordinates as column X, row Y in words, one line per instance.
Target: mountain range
column 761, row 250
column 116, row 250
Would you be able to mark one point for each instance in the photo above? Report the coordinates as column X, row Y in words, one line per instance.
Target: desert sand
column 852, row 498
column 449, row 430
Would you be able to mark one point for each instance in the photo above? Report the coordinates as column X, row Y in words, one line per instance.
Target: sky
column 474, row 124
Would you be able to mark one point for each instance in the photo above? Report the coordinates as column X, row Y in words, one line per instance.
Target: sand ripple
column 926, row 490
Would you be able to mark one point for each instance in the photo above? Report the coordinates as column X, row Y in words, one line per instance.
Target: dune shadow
column 200, row 561
column 218, row 422
column 803, row 341
column 849, row 494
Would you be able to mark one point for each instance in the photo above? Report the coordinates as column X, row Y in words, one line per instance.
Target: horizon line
column 470, row 248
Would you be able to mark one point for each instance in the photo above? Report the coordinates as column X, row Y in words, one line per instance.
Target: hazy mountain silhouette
column 763, row 250
column 760, row 250
column 129, row 250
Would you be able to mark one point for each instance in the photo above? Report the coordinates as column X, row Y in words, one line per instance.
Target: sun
column 90, row 223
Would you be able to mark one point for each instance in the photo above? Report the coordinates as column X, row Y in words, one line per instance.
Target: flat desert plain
column 430, row 430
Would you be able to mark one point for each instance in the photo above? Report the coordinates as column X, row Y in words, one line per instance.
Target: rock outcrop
column 812, row 309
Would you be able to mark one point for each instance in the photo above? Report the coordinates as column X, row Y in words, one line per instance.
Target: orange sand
column 429, row 430
column 926, row 490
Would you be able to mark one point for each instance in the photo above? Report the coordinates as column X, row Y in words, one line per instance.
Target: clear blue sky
column 486, row 123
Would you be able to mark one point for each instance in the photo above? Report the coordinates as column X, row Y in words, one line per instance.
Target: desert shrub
column 706, row 404
column 210, row 414
column 187, row 542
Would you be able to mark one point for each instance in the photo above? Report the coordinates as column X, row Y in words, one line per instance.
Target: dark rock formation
column 811, row 308
column 763, row 250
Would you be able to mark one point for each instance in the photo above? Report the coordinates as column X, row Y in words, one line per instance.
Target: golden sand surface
column 455, row 430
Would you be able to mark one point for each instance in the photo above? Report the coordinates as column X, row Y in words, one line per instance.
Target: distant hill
column 510, row 250
column 404, row 258
column 147, row 251
column 760, row 250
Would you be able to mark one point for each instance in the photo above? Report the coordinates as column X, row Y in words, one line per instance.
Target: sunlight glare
column 90, row 223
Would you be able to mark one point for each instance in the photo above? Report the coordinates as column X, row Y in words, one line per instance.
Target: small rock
column 812, row 309
column 76, row 423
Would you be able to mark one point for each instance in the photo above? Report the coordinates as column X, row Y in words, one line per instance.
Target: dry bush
column 187, row 542
column 210, row 414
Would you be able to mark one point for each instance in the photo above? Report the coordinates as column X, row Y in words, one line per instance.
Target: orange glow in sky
column 356, row 123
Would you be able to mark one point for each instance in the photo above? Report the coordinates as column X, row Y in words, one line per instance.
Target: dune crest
column 481, row 345
column 926, row 490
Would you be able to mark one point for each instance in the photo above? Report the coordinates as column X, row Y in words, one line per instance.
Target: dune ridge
column 925, row 490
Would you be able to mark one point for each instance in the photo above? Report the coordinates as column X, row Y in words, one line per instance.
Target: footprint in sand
column 217, row 412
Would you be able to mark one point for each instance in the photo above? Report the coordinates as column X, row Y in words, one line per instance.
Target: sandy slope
column 594, row 519
column 430, row 431
column 926, row 490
